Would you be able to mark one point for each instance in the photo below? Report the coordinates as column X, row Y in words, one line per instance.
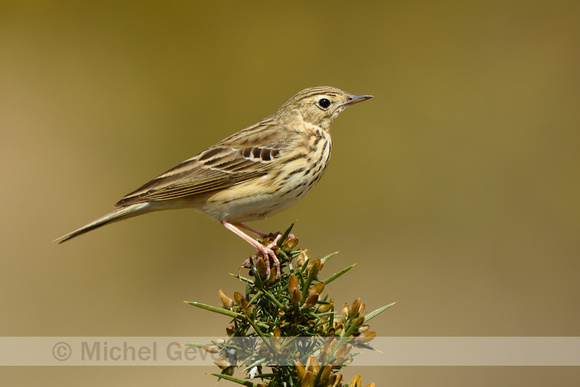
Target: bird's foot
column 267, row 252
column 288, row 237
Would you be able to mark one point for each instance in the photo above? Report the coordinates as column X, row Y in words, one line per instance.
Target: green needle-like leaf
column 306, row 286
column 249, row 281
column 215, row 309
column 327, row 258
column 234, row 379
column 285, row 235
column 337, row 275
column 376, row 312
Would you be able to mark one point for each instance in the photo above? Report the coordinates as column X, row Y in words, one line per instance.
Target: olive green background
column 456, row 189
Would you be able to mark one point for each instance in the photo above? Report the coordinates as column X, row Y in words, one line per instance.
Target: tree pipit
column 250, row 175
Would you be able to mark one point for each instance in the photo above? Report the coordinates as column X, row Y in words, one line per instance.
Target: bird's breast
column 288, row 180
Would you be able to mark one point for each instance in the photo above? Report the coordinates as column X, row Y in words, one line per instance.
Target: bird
column 250, row 175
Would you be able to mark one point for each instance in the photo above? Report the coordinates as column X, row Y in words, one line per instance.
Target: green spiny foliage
column 288, row 326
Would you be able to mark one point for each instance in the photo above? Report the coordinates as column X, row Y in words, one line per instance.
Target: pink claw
column 265, row 251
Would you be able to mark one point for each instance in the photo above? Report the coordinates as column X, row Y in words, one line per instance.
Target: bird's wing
column 245, row 155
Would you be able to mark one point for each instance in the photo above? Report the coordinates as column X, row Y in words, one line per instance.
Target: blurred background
column 456, row 189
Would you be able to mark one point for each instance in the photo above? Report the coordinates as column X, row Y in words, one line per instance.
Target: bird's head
column 318, row 105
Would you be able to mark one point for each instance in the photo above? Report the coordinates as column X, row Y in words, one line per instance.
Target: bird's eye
column 324, row 103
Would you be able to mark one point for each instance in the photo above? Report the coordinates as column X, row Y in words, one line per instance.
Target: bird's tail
column 121, row 213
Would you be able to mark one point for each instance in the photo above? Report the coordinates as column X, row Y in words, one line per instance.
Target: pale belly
column 267, row 195
column 248, row 201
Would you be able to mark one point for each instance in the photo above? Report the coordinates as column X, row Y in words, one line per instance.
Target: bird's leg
column 258, row 232
column 250, row 229
column 265, row 251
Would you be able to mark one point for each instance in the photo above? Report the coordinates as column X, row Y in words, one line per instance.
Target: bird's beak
column 356, row 99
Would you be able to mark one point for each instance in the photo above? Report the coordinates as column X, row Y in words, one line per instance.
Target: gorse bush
column 288, row 332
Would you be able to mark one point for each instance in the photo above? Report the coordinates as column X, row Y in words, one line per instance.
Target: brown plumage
column 250, row 175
